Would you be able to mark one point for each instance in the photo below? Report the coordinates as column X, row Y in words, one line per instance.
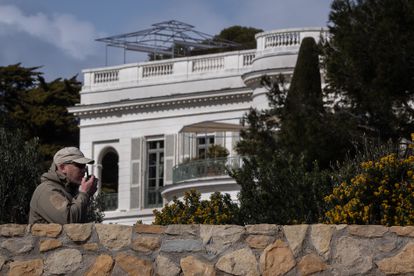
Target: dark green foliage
column 285, row 173
column 15, row 80
column 306, row 128
column 217, row 151
column 20, row 167
column 302, row 121
column 276, row 185
column 192, row 210
column 244, row 36
column 368, row 150
column 39, row 108
column 370, row 64
column 46, row 114
column 280, row 189
column 95, row 211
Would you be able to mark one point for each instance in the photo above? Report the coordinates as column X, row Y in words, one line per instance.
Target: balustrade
column 157, row 70
column 208, row 64
column 248, row 59
column 106, row 76
column 283, row 39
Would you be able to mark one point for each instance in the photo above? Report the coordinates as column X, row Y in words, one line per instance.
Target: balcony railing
column 204, row 168
column 110, row 201
column 282, row 40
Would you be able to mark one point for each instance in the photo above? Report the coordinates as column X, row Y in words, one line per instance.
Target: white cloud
column 64, row 31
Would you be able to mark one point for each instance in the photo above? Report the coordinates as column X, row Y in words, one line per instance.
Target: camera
column 87, row 176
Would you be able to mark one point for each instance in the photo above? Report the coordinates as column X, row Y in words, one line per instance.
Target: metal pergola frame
column 163, row 37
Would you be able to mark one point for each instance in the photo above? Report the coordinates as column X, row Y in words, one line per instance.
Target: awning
column 211, row 126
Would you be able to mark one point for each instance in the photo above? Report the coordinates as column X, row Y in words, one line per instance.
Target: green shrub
column 217, row 151
column 20, row 167
column 280, row 189
column 218, row 210
column 380, row 191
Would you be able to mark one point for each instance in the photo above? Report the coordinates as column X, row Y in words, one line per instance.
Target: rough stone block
column 46, row 245
column 367, row 231
column 352, row 256
column 311, row 264
column 78, row 232
column 12, row 230
column 277, row 259
column 401, row 263
column 114, row 236
column 259, row 241
column 18, row 246
column 321, row 235
column 165, row 267
column 102, row 266
column 262, row 229
column 295, row 235
column 193, row 266
column 217, row 238
column 149, row 229
column 31, row 267
column 146, row 244
column 183, row 229
column 181, row 245
column 407, row 231
column 91, row 246
column 133, row 265
column 239, row 262
column 64, row 261
column 51, row 230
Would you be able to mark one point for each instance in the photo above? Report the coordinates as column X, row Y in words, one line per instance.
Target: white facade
column 128, row 110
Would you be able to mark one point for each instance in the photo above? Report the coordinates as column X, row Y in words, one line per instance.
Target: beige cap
column 71, row 154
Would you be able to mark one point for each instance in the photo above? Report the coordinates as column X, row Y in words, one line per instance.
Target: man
column 64, row 193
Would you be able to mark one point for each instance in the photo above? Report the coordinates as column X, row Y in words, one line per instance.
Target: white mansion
column 148, row 125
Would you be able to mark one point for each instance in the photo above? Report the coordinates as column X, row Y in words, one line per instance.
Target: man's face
column 74, row 172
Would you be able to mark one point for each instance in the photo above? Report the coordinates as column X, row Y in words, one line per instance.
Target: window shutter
column 219, row 139
column 136, row 157
column 169, row 157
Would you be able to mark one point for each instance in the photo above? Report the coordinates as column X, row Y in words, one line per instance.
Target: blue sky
column 60, row 35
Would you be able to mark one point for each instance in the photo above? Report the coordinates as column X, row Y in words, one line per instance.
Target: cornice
column 153, row 105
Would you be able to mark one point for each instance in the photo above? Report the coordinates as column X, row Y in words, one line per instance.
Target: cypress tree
column 302, row 129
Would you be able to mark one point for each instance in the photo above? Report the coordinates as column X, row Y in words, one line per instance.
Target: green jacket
column 56, row 200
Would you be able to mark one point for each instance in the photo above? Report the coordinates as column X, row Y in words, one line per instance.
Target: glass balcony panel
column 153, row 198
column 204, row 168
column 110, row 200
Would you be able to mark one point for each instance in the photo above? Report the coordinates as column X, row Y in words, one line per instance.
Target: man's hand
column 89, row 186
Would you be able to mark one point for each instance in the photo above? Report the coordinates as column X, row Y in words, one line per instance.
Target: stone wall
column 97, row 249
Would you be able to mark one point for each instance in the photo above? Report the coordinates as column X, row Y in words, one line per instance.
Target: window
column 202, row 145
column 155, row 173
column 109, row 180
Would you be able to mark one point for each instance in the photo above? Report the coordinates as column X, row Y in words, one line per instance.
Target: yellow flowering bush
column 381, row 193
column 192, row 210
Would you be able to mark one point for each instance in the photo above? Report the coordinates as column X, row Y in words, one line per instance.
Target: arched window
column 109, row 179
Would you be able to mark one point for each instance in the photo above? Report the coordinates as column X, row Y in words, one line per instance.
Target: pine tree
column 39, row 108
column 370, row 65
